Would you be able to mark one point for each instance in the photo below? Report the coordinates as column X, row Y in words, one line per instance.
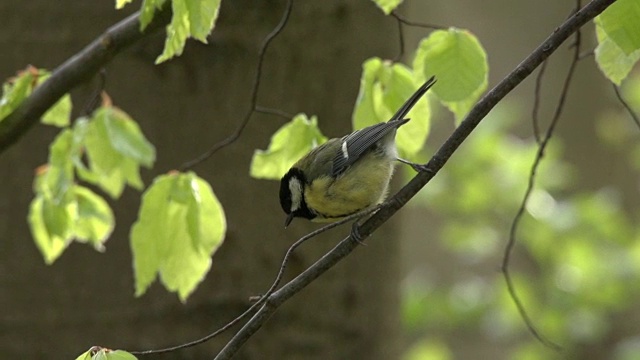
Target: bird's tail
column 406, row 107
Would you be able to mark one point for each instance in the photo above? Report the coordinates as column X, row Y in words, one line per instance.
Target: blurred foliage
column 576, row 261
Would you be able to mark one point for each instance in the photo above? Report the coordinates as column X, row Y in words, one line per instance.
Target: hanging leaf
column 388, row 6
column 98, row 353
column 291, row 142
column 180, row 225
column 95, row 220
column 458, row 60
column 16, row 90
column 115, row 149
column 148, row 10
column 384, row 88
column 614, row 63
column 620, row 22
column 60, row 113
column 191, row 18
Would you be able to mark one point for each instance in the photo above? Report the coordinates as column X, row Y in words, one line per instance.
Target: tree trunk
column 86, row 298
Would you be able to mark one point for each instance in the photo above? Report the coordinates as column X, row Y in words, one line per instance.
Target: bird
column 347, row 175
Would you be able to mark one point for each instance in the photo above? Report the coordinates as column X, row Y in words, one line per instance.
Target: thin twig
column 587, row 54
column 271, row 111
column 406, row 21
column 536, row 102
column 475, row 116
column 254, row 93
column 531, row 183
column 95, row 97
column 400, row 41
column 634, row 116
column 74, row 71
column 270, row 291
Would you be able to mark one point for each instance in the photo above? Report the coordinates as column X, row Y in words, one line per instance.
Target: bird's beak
column 287, row 221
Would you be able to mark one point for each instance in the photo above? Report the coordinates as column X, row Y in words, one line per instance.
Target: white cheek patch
column 295, row 187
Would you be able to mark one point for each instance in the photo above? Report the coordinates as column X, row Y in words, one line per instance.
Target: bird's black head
column 292, row 196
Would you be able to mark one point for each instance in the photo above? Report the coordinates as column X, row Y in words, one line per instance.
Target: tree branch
column 479, row 111
column 542, row 145
column 74, row 71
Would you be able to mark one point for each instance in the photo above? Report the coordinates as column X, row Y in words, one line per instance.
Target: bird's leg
column 414, row 166
column 355, row 233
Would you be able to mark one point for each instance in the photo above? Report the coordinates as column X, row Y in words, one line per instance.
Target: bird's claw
column 421, row 168
column 355, row 234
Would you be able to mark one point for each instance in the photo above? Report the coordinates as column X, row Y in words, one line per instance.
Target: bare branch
column 542, row 144
column 479, row 111
column 633, row 115
column 74, row 71
column 536, row 103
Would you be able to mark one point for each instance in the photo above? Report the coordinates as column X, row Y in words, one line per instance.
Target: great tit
column 347, row 175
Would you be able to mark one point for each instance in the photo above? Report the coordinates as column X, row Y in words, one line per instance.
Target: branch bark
column 78, row 68
column 477, row 113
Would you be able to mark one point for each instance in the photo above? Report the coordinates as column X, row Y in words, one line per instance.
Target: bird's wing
column 357, row 143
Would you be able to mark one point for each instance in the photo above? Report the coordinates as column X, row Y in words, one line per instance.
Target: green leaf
column 60, row 113
column 18, row 89
column 177, row 32
column 51, row 226
column 62, row 210
column 457, row 59
column 384, row 87
column 180, row 225
column 202, row 17
column 365, row 110
column 104, row 160
column 85, row 355
column 121, row 3
column 205, row 216
column 105, row 354
column 291, row 142
column 191, row 18
column 55, row 179
column 620, row 22
column 611, row 59
column 115, row 148
column 388, row 5
column 461, row 108
column 95, row 219
column 120, row 355
column 148, row 10
column 15, row 91
column 125, row 136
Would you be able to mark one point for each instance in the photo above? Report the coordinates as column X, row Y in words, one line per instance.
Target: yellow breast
column 363, row 185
